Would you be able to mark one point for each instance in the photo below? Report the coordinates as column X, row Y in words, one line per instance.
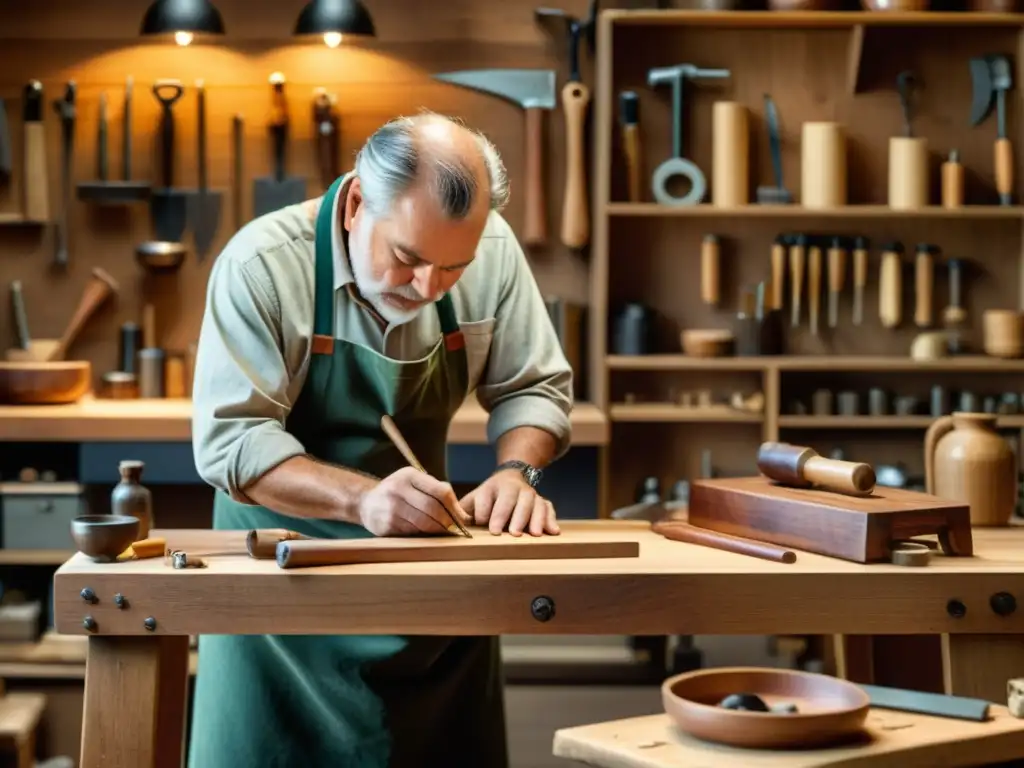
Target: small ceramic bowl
column 104, row 537
column 829, row 710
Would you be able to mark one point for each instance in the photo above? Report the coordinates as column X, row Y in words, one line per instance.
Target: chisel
column 36, row 206
column 814, row 286
column 860, row 277
column 924, row 284
column 797, row 260
column 778, row 271
column 836, row 278
column 629, row 116
column 67, row 110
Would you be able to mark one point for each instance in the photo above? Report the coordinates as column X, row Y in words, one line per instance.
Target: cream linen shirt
column 254, row 346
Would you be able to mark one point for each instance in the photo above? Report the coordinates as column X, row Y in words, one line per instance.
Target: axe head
column 982, row 89
column 528, row 88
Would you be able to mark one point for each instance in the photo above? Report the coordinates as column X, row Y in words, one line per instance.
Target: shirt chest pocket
column 478, row 336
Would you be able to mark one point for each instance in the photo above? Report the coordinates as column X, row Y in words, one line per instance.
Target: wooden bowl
column 708, row 342
column 44, row 383
column 828, row 709
column 104, row 537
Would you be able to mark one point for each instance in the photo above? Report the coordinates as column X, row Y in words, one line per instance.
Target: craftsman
column 399, row 292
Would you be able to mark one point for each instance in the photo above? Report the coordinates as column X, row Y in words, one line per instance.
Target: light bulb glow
column 183, row 38
column 332, row 39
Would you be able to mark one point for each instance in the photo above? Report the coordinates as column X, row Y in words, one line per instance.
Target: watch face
column 532, row 476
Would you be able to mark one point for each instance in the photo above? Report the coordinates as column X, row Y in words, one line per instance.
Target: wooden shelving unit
column 835, row 66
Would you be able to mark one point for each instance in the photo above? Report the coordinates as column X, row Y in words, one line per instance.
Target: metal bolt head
column 89, row 623
column 956, row 609
column 88, row 595
column 1003, row 603
column 120, row 601
column 542, row 608
column 149, row 623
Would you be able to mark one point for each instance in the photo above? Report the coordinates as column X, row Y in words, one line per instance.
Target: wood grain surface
column 896, row 739
column 671, row 588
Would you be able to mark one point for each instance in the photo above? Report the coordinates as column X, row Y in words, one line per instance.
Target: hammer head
column 784, row 463
column 527, row 88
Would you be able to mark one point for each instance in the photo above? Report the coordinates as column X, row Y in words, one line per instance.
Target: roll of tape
column 911, row 553
column 678, row 166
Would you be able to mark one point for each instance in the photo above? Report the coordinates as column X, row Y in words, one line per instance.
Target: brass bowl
column 104, row 537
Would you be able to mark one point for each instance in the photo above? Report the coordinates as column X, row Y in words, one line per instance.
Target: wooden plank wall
column 96, row 44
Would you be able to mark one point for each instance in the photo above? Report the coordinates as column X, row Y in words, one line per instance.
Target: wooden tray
column 860, row 529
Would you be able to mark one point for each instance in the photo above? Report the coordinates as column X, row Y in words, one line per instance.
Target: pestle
column 802, row 467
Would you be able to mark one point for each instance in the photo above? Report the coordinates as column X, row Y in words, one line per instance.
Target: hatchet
column 992, row 76
column 534, row 91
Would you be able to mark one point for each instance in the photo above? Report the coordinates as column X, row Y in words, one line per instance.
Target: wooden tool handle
column 149, row 326
column 684, row 532
column 535, row 230
column 710, row 274
column 391, row 430
column 778, row 274
column 814, row 286
column 836, row 269
column 37, row 196
column 631, row 149
column 1004, row 169
column 797, row 258
column 100, row 286
column 860, row 268
column 575, row 210
column 262, row 543
column 890, row 290
column 851, row 477
column 924, row 280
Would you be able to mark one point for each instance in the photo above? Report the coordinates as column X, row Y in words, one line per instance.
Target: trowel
column 992, row 76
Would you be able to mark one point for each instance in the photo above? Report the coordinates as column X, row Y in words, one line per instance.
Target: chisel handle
column 890, row 290
column 710, row 273
column 860, row 281
column 575, row 209
column 778, row 274
column 814, row 286
column 1004, row 170
column 924, row 277
column 535, row 230
column 631, row 149
column 797, row 260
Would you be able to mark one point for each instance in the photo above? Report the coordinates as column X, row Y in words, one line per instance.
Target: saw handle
column 535, row 231
column 575, row 213
column 1004, row 170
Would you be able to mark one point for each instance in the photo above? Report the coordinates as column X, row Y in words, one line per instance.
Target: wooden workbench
column 895, row 740
column 135, row 681
column 169, row 420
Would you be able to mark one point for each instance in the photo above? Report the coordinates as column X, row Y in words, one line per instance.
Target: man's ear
column 353, row 202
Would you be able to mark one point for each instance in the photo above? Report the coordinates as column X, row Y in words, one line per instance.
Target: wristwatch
column 530, row 474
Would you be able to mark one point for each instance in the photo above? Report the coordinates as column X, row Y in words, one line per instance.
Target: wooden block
column 860, row 529
column 19, row 715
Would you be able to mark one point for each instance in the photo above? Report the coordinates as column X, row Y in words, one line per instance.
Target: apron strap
column 323, row 282
column 453, row 338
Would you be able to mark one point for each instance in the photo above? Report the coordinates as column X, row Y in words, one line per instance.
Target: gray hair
column 388, row 164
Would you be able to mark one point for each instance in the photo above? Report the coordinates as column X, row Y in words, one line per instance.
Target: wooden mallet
column 802, row 467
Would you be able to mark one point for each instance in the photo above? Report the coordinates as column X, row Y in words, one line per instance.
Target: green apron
column 353, row 701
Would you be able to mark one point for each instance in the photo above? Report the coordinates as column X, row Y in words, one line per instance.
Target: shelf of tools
column 807, row 228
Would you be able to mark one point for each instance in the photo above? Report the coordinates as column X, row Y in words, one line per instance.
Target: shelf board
column 966, row 213
column 35, row 556
column 810, row 19
column 809, row 363
column 17, row 220
column 877, row 422
column 667, row 412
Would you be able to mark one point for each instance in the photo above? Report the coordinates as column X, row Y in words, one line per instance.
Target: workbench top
column 671, row 588
column 168, row 420
column 898, row 739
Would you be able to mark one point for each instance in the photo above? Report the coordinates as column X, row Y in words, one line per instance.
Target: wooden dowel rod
column 680, row 531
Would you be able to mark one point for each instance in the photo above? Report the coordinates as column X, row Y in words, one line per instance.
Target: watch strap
column 530, row 474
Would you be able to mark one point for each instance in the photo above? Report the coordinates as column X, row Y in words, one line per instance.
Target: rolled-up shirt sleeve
column 241, row 386
column 528, row 380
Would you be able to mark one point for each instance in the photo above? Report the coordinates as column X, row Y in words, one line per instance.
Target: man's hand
column 408, row 502
column 505, row 499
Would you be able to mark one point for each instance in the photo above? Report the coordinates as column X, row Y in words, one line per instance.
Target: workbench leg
column 978, row 666
column 135, row 702
column 855, row 658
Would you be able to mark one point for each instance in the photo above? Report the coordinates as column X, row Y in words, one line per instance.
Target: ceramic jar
column 130, row 497
column 967, row 460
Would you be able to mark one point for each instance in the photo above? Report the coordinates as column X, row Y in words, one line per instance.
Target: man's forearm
column 534, row 446
column 304, row 487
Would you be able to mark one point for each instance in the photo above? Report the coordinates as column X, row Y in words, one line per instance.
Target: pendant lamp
column 334, row 19
column 183, row 19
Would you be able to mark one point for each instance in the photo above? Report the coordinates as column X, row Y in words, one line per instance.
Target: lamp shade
column 173, row 16
column 345, row 17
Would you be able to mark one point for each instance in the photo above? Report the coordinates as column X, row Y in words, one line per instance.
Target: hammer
column 802, row 467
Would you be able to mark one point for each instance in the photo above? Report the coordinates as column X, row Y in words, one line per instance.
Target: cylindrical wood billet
column 908, row 172
column 710, row 270
column 262, row 543
column 823, row 165
column 1003, row 332
column 689, row 534
column 730, row 165
column 151, row 372
column 174, row 375
column 952, row 182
